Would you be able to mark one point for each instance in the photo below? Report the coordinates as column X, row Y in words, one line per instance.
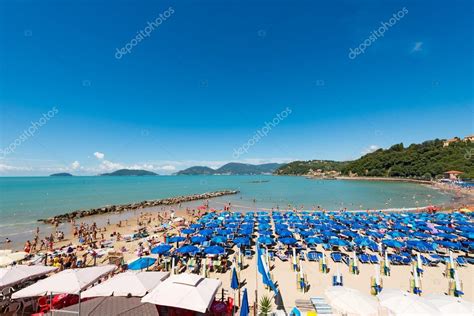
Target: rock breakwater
column 134, row 206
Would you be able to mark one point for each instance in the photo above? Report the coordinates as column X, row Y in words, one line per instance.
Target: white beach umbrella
column 186, row 291
column 323, row 258
column 71, row 281
column 4, row 252
column 6, row 261
column 338, row 275
column 355, row 259
column 418, row 261
column 294, row 256
column 457, row 282
column 173, row 265
column 450, row 305
column 9, row 257
column 19, row 273
column 348, row 301
column 402, row 303
column 134, row 283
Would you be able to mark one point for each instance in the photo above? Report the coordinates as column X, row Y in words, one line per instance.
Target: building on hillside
column 469, row 138
column 450, row 141
column 452, row 175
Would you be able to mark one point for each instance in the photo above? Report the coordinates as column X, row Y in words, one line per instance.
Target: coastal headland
column 134, row 206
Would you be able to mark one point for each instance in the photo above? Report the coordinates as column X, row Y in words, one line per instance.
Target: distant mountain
column 196, row 170
column 61, row 174
column 130, row 172
column 232, row 168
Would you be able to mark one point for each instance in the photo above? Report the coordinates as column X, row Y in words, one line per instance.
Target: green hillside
column 420, row 161
column 426, row 160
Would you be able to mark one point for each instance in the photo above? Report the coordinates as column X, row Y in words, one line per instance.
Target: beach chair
column 335, row 282
column 336, row 257
column 438, row 258
column 346, row 259
column 469, row 260
column 282, row 257
column 461, row 261
column 321, row 306
column 364, row 258
column 302, row 256
column 405, row 261
column 248, row 253
column 312, row 256
column 374, row 259
column 271, row 255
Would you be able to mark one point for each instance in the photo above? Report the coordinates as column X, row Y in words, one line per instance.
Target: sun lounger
column 470, row 260
column 248, row 253
column 302, row 255
column 364, row 258
column 345, row 259
column 281, row 256
column 336, row 257
column 321, row 306
column 312, row 256
column 374, row 259
column 437, row 257
column 461, row 261
column 337, row 283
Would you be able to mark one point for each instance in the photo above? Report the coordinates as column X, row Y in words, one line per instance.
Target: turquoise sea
column 23, row 200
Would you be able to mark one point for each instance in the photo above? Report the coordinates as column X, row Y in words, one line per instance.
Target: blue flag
column 265, row 271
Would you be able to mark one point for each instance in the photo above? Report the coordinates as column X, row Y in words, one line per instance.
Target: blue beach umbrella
column 314, row 240
column 195, row 226
column 206, row 232
column 187, row 249
column 198, row 239
column 392, row 243
column 242, row 241
column 161, row 249
column 284, row 233
column 338, row 242
column 219, row 239
column 187, row 231
column 176, row 239
column 214, row 250
column 234, row 282
column 288, row 241
column 245, row 309
column 141, row 263
column 265, row 232
column 447, row 236
column 265, row 240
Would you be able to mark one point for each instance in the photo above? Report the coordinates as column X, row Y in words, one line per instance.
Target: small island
column 130, row 172
column 61, row 174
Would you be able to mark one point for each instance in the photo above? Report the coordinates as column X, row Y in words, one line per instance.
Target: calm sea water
column 25, row 199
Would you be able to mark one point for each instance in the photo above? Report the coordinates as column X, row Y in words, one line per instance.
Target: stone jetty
column 134, row 206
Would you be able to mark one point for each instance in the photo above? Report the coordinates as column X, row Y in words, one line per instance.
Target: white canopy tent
column 71, row 281
column 136, row 284
column 186, row 291
column 348, row 301
column 13, row 275
column 450, row 305
column 402, row 303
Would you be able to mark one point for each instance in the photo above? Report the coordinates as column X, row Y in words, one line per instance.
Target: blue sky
column 210, row 76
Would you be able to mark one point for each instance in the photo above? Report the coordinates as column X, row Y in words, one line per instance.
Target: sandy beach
column 433, row 280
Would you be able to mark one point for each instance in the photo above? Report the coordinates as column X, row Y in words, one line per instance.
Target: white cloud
column 110, row 166
column 8, row 168
column 167, row 168
column 417, row 47
column 99, row 155
column 75, row 165
column 370, row 149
